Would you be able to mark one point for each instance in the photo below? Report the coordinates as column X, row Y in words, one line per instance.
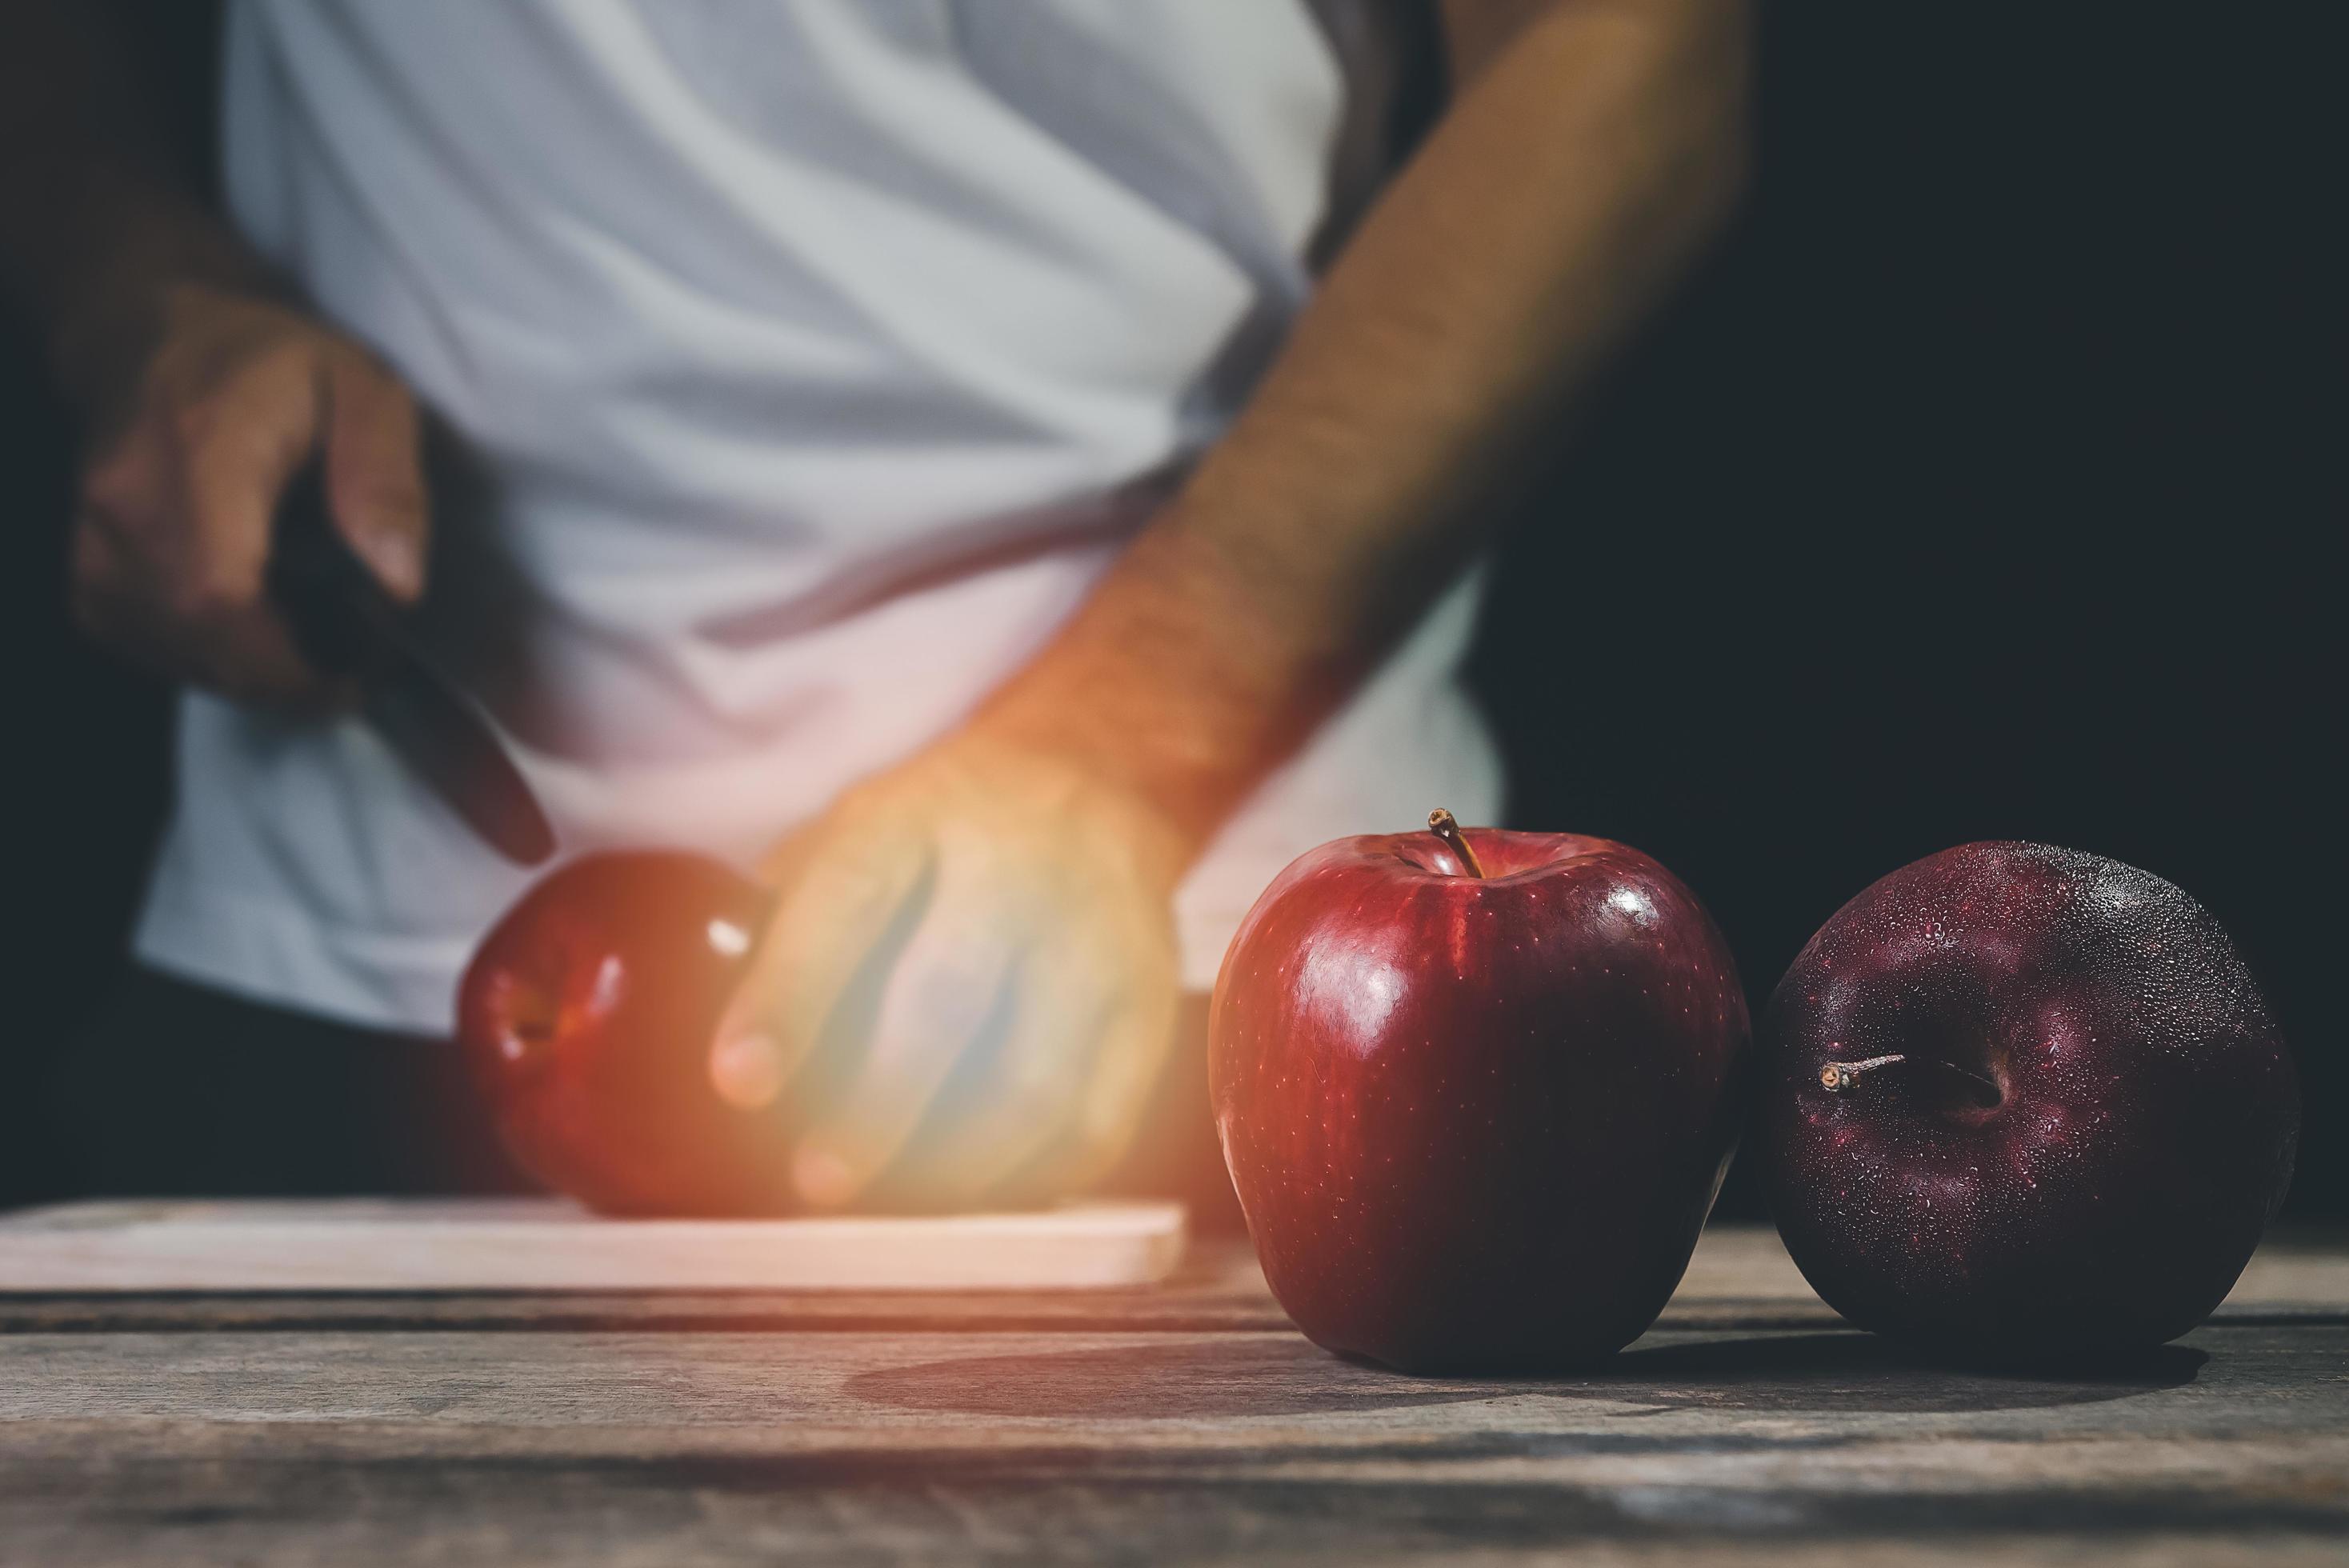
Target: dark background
column 1977, row 487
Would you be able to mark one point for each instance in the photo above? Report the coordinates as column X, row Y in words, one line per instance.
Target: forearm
column 1579, row 169
column 97, row 221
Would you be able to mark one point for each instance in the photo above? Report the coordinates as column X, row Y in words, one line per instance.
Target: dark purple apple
column 2024, row 1104
column 1477, row 1092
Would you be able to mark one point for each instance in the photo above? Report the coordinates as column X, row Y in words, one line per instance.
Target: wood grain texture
column 1181, row 1425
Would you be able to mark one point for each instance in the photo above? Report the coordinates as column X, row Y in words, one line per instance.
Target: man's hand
column 982, row 907
column 199, row 392
column 197, row 428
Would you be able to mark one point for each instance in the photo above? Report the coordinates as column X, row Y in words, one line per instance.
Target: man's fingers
column 251, row 657
column 1067, row 1007
column 179, row 506
column 375, row 478
column 129, row 593
column 210, row 537
column 945, row 991
column 834, row 911
column 748, row 1070
column 236, row 452
column 1128, row 1056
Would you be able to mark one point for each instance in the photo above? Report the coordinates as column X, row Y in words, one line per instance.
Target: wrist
column 138, row 255
column 1055, row 789
column 1185, row 790
column 1185, row 680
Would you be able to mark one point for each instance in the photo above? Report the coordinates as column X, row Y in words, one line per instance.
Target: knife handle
column 342, row 620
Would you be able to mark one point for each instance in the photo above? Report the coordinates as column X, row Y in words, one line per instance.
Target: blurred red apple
column 2022, row 1103
column 1477, row 1092
column 586, row 1017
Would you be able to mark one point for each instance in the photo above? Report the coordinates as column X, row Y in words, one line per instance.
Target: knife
column 345, row 625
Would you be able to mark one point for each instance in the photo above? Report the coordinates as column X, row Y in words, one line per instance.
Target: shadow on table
column 1846, row 1370
column 1271, row 1375
column 1276, row 1376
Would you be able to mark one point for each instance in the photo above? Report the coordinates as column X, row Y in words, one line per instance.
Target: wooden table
column 1184, row 1424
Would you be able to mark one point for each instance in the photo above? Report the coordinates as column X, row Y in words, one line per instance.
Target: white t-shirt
column 798, row 366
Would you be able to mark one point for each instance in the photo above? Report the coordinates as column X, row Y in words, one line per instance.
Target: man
column 903, row 445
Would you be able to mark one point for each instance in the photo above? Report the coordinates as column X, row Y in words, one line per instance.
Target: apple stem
column 1442, row 823
column 1836, row 1077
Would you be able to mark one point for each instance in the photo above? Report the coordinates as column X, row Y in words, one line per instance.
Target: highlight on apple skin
column 1476, row 1090
column 2020, row 1104
column 586, row 1018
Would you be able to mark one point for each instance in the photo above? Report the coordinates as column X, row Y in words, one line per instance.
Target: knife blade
column 344, row 623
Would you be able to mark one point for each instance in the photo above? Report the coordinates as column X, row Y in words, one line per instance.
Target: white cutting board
column 550, row 1243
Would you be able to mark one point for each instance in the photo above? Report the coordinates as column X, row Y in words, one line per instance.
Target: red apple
column 586, row 1017
column 2022, row 1103
column 1477, row 1092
